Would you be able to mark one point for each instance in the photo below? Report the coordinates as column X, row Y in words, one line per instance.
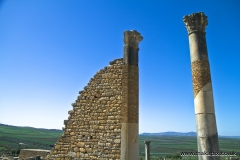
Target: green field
column 11, row 139
column 162, row 146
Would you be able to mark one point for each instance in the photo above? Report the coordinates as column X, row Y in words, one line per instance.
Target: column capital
column 195, row 22
column 132, row 38
column 147, row 142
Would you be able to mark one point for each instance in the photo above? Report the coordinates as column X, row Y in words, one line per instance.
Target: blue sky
column 49, row 50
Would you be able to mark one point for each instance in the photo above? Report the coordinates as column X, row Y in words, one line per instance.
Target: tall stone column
column 147, row 150
column 130, row 94
column 207, row 135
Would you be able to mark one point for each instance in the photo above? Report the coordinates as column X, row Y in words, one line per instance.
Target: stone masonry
column 93, row 128
column 28, row 153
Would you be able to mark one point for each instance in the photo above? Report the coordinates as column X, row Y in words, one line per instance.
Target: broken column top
column 195, row 22
column 147, row 142
column 132, row 38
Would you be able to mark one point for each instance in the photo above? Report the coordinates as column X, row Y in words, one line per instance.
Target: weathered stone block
column 65, row 122
column 117, row 141
column 57, row 147
column 83, row 150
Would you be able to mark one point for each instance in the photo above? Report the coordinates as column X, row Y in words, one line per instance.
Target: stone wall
column 28, row 153
column 93, row 128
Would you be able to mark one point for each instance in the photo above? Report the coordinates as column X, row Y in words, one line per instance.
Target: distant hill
column 26, row 127
column 180, row 134
column 171, row 134
column 13, row 138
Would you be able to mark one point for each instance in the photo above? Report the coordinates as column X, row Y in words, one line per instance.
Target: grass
column 161, row 146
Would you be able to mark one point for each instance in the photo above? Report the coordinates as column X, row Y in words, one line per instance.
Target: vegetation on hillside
column 13, row 138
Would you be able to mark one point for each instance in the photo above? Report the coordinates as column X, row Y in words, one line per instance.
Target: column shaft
column 130, row 97
column 207, row 135
column 147, row 150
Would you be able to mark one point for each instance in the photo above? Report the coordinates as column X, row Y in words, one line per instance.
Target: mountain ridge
column 1, row 124
column 172, row 133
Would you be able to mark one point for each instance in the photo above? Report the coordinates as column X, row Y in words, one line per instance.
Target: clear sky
column 49, row 50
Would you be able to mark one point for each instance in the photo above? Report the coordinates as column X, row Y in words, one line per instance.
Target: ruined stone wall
column 93, row 128
column 28, row 153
